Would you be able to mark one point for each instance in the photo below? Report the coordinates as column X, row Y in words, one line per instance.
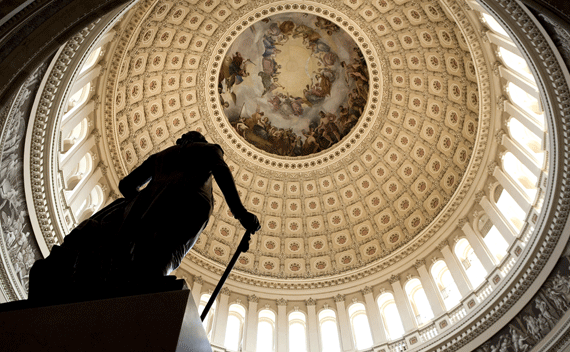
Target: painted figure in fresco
column 543, row 307
column 319, row 89
column 326, row 25
column 557, row 299
column 152, row 228
column 518, row 340
column 532, row 327
column 309, row 35
column 241, row 126
column 269, row 82
column 318, row 46
column 328, row 127
column 270, row 43
column 270, row 66
column 311, row 145
column 561, row 283
column 233, row 72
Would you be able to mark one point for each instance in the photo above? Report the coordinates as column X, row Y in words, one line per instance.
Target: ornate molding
column 442, row 245
column 393, row 279
column 419, row 263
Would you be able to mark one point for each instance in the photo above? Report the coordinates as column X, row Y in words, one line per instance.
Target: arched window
column 523, row 100
column 297, row 332
column 493, row 24
column 390, row 316
column 516, row 63
column 77, row 99
column 511, row 210
column 93, row 203
column 520, row 174
column 77, row 134
column 91, row 60
column 523, row 137
column 234, row 329
column 418, row 299
column 329, row 331
column 360, row 326
column 80, row 171
column 445, row 284
column 209, row 320
column 266, row 331
column 472, row 265
column 495, row 242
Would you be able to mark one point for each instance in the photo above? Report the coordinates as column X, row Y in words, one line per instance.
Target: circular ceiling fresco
column 293, row 84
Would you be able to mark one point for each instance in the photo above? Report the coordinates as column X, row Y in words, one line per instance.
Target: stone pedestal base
column 165, row 321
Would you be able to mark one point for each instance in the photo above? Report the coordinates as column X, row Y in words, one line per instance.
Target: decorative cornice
column 310, row 302
column 462, row 221
column 394, row 278
column 339, row 298
column 253, row 299
column 281, row 302
column 442, row 245
column 491, row 168
column 419, row 263
column 478, row 196
column 225, row 291
column 366, row 290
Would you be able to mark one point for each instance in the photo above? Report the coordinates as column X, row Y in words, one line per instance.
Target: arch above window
column 390, row 316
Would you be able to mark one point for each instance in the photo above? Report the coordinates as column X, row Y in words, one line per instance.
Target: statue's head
column 191, row 137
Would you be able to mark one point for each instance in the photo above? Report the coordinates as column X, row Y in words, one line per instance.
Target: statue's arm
column 129, row 186
column 225, row 181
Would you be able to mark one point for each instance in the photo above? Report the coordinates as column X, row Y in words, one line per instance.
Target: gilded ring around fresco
column 293, row 84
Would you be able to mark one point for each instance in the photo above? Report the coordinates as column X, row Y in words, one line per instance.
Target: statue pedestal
column 164, row 321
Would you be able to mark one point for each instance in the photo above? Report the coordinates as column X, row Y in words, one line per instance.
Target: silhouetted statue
column 167, row 203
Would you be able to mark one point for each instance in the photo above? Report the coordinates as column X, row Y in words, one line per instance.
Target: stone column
column 69, row 160
column 455, row 270
column 479, row 247
column 313, row 325
column 85, row 78
column 251, row 332
column 282, row 326
column 498, row 220
column 344, row 324
column 221, row 321
column 376, row 323
column 403, row 305
column 197, row 289
column 82, row 190
column 527, row 120
column 432, row 293
column 503, row 42
column 520, row 81
column 518, row 194
column 72, row 118
column 524, row 157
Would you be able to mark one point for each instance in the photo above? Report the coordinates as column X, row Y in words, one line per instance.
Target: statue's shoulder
column 206, row 149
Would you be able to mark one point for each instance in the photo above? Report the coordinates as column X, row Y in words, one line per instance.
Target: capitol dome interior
column 407, row 160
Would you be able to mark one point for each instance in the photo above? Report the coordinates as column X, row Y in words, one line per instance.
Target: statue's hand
column 250, row 222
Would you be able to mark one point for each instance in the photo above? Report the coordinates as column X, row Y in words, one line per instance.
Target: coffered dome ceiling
column 349, row 127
